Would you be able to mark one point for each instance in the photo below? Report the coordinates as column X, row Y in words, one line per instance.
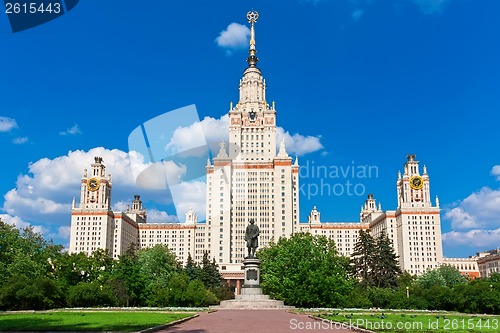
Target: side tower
column 418, row 222
column 248, row 179
column 92, row 220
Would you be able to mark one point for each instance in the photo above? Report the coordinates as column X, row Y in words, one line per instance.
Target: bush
column 91, row 294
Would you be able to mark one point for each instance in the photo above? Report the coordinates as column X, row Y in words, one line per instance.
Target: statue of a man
column 251, row 236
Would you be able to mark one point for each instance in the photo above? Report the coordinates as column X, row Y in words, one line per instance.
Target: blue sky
column 356, row 83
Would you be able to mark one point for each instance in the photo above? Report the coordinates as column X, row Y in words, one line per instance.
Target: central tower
column 250, row 179
column 252, row 122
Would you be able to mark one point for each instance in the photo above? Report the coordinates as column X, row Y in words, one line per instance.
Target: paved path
column 252, row 321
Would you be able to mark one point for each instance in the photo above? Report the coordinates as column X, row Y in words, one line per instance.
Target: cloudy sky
column 358, row 85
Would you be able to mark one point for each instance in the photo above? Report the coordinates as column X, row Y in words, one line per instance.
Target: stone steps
column 251, row 293
column 251, row 297
column 252, row 304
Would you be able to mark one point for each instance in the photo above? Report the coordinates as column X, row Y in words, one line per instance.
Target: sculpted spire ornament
column 282, row 152
column 252, row 59
column 222, row 151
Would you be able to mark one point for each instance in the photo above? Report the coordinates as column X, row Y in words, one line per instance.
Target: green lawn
column 124, row 321
column 413, row 323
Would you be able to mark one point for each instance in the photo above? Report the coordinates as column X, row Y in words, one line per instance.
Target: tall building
column 94, row 225
column 250, row 178
column 415, row 226
column 92, row 222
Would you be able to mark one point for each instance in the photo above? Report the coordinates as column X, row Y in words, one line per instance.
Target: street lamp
column 407, row 292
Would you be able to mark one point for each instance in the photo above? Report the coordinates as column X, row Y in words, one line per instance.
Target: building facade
column 415, row 226
column 250, row 178
column 467, row 266
column 94, row 225
column 489, row 262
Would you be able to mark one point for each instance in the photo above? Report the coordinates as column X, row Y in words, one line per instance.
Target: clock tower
column 418, row 221
column 96, row 187
column 413, row 187
column 92, row 221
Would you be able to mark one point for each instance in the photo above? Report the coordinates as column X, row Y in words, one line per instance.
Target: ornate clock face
column 252, row 115
column 416, row 182
column 93, row 184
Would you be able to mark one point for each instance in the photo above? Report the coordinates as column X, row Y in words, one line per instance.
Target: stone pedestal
column 251, row 283
column 251, row 293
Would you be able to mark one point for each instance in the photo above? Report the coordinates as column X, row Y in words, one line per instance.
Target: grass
column 417, row 323
column 125, row 321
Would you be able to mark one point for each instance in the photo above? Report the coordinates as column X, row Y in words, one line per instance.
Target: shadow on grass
column 23, row 324
column 47, row 324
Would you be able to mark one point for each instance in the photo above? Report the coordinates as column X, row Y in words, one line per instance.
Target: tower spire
column 252, row 59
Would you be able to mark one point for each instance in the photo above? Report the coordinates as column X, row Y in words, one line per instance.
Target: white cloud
column 7, row 124
column 44, row 193
column 460, row 219
column 431, row 6
column 475, row 219
column 209, row 131
column 15, row 203
column 161, row 175
column 479, row 210
column 215, row 130
column 189, row 195
column 120, row 206
column 74, row 130
column 14, row 221
column 20, row 140
column 236, row 36
column 158, row 216
column 298, row 144
column 496, row 171
column 480, row 239
column 19, row 223
column 63, row 232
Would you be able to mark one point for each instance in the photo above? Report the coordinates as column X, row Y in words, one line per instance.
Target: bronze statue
column 251, row 236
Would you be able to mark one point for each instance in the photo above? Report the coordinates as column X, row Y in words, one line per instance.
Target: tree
column 431, row 278
column 157, row 262
column 91, row 294
column 127, row 280
column 363, row 257
column 494, row 277
column 157, row 266
column 406, row 279
column 480, row 296
column 385, row 267
column 305, row 270
column 26, row 270
column 209, row 274
column 444, row 275
column 451, row 275
column 192, row 269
